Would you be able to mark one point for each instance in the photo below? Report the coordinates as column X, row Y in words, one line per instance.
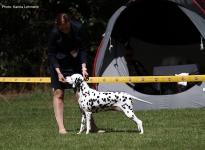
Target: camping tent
column 156, row 29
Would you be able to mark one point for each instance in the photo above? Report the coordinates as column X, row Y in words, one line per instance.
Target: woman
column 67, row 51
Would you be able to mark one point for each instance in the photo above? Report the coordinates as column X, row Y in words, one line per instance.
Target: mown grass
column 29, row 124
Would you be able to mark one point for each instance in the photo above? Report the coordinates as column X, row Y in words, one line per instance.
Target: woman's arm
column 52, row 48
column 83, row 45
column 83, row 50
column 60, row 76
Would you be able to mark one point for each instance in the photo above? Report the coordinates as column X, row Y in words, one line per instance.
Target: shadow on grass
column 128, row 131
column 113, row 131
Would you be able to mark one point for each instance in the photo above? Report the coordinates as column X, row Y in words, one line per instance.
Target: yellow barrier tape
column 114, row 79
column 26, row 79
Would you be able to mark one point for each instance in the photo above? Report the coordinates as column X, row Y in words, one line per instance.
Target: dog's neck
column 83, row 87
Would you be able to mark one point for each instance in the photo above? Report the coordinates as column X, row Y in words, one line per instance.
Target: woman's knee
column 58, row 93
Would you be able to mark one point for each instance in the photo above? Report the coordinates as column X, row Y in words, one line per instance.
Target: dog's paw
column 79, row 133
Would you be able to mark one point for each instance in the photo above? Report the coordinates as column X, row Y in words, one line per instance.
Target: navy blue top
column 60, row 46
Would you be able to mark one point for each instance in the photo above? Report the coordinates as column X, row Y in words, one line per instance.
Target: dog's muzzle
column 68, row 79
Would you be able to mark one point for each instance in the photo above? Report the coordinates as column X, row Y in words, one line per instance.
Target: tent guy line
column 114, row 79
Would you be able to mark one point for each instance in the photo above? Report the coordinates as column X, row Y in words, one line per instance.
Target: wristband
column 84, row 69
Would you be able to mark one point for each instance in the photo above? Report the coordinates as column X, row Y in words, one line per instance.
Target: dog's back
column 91, row 100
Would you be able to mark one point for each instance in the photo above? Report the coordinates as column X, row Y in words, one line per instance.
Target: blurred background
column 24, row 34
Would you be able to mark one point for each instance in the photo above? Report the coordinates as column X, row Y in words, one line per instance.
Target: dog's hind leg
column 88, row 121
column 83, row 119
column 130, row 114
column 139, row 123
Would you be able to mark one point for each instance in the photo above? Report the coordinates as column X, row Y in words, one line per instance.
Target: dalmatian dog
column 92, row 101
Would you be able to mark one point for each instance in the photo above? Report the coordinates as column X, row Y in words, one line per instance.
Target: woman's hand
column 85, row 74
column 61, row 78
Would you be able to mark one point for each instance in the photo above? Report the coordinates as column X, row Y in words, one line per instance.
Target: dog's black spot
column 129, row 107
column 104, row 99
column 116, row 96
column 133, row 117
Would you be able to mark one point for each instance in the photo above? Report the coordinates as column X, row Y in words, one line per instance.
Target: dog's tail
column 138, row 99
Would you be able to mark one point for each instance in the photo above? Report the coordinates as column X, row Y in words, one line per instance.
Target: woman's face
column 65, row 28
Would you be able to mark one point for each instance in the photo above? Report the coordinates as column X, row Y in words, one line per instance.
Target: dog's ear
column 78, row 81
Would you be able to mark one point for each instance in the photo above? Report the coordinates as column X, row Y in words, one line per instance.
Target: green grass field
column 29, row 124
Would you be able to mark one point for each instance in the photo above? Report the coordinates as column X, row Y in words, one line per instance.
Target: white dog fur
column 91, row 100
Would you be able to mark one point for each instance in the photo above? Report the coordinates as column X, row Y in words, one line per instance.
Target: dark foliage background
column 25, row 32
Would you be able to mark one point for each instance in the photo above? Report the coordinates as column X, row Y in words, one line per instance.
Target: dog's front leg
column 82, row 122
column 88, row 121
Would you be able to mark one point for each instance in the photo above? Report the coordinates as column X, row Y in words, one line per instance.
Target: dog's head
column 75, row 80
